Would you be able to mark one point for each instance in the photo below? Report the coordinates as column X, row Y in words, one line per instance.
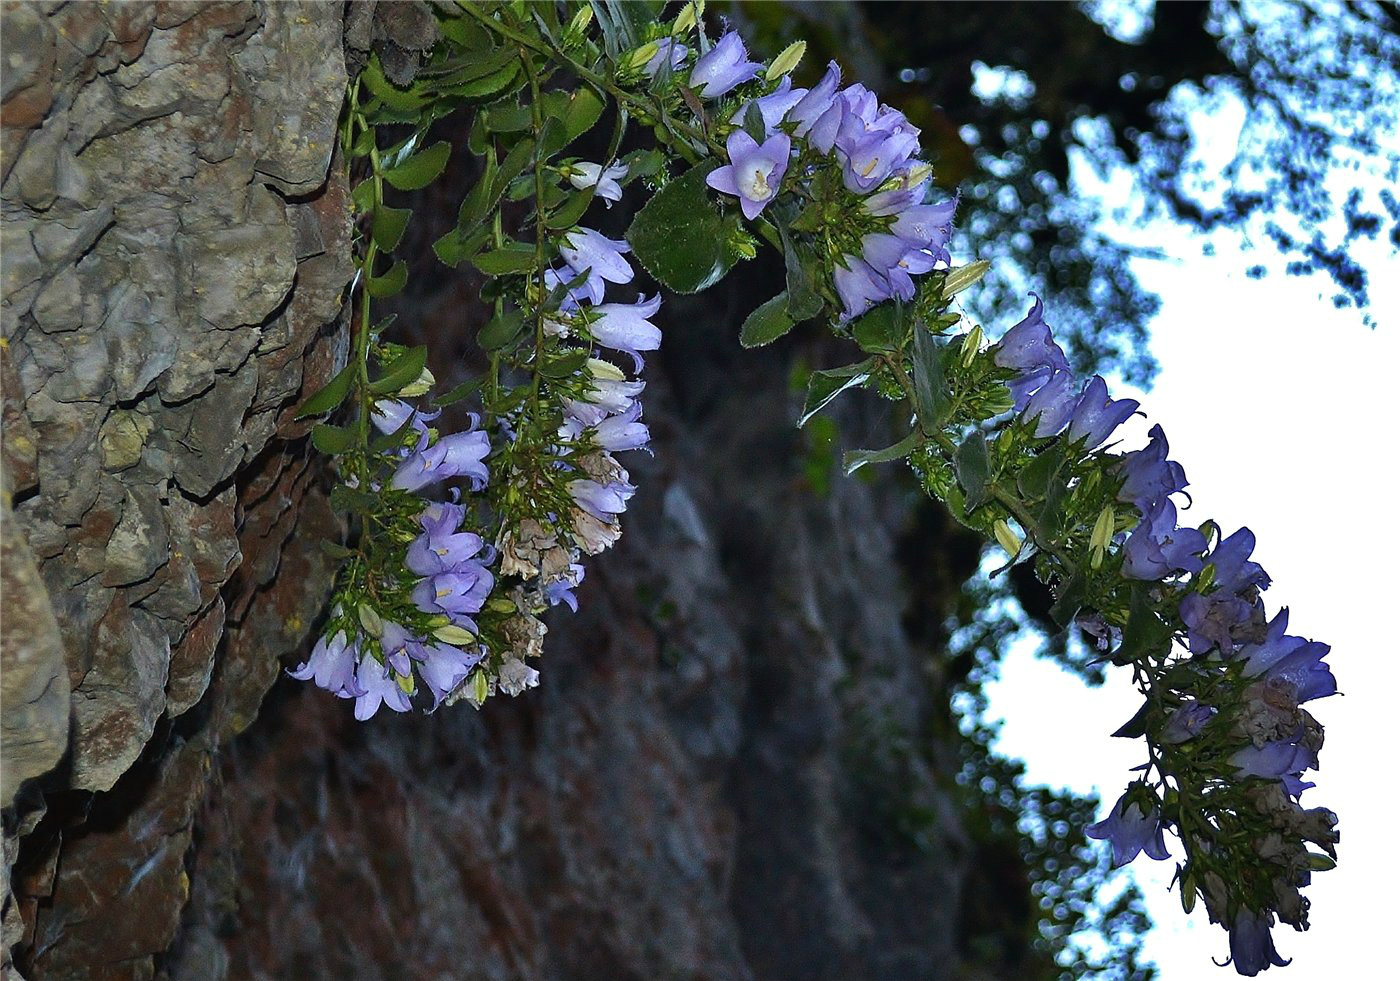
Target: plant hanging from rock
column 464, row 539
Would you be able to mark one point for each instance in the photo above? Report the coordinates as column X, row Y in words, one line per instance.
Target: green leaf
column 1034, row 479
column 1052, row 512
column 932, row 399
column 345, row 498
column 457, row 393
column 880, row 329
column 363, row 196
column 487, row 86
column 1070, row 598
column 390, row 283
column 406, row 100
column 331, row 439
column 1145, row 633
column 421, row 169
column 500, row 330
column 973, row 468
column 457, row 245
column 481, row 64
column 389, row 225
column 799, row 261
column 563, row 365
column 767, row 323
column 823, row 386
column 855, row 459
column 582, row 112
column 335, row 550
column 569, row 215
column 406, row 368
column 516, row 257
column 330, row 396
column 964, row 276
column 506, row 119
column 680, row 235
column 753, row 123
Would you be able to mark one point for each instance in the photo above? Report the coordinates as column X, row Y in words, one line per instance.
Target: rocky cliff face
column 686, row 796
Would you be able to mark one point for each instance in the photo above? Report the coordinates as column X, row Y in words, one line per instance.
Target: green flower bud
column 971, row 345
column 1007, row 538
column 640, row 56
column 581, row 20
column 786, row 61
column 453, row 634
column 480, row 689
column 605, row 370
column 369, row 619
column 688, row 17
column 405, row 682
column 499, row 604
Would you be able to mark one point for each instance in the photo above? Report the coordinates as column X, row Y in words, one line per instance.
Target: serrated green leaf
column 767, row 323
column 404, row 100
column 506, row 119
column 329, row 397
column 973, row 468
column 563, row 365
column 823, row 386
column 500, row 330
column 1145, row 633
column 581, row 113
column 363, row 196
column 389, row 225
column 335, row 550
column 1069, row 597
column 331, row 440
column 421, row 169
column 680, row 235
column 457, row 245
column 458, row 392
column 390, row 283
column 753, row 123
column 799, row 263
column 406, row 368
column 881, row 329
column 855, row 459
column 515, row 258
column 1035, row 476
column 932, row 399
column 353, row 499
column 573, row 209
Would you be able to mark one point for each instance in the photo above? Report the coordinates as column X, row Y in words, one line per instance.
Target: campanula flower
column 1273, row 760
column 1097, row 416
column 1148, row 476
column 583, row 175
column 331, row 665
column 601, row 500
column 441, row 547
column 443, row 667
column 622, row 432
column 1189, row 718
column 457, row 455
column 625, row 326
column 586, row 250
column 1051, row 407
column 754, row 172
column 1130, row 829
column 1233, row 570
column 1157, row 548
column 859, row 286
column 1251, row 945
column 667, row 48
column 773, row 107
column 462, row 591
column 816, row 101
column 377, row 685
column 1028, row 345
column 724, row 66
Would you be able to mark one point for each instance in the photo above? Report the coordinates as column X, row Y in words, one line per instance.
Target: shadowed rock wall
column 174, row 259
column 686, row 795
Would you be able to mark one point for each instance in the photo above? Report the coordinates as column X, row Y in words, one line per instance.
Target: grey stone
column 116, row 705
column 59, row 305
column 28, row 40
column 33, row 678
column 139, row 544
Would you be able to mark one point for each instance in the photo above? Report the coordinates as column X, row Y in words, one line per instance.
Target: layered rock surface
column 683, row 796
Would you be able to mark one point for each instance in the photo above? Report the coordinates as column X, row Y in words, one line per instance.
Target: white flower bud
column 421, row 385
column 1007, row 538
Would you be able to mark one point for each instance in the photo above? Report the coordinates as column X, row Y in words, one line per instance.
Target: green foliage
column 767, row 322
column 682, row 237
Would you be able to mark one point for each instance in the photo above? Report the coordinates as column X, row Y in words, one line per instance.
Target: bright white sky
column 1282, row 410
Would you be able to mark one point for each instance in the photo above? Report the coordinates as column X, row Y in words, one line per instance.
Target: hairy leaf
column 680, row 235
column 767, row 323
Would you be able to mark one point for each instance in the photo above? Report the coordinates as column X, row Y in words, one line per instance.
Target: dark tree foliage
column 1009, row 93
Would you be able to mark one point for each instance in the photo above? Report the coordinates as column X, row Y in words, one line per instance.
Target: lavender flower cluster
column 1263, row 675
column 366, row 653
column 895, row 236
